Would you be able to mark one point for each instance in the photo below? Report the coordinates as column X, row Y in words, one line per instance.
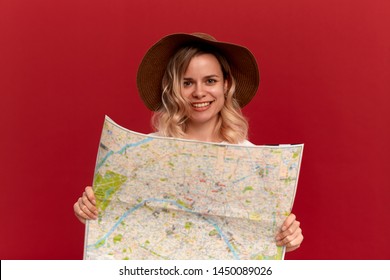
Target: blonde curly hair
column 171, row 118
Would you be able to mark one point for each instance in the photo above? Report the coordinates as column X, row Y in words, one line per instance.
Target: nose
column 198, row 92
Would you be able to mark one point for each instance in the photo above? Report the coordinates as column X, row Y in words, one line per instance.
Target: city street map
column 173, row 199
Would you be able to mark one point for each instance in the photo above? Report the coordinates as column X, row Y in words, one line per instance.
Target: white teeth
column 200, row 105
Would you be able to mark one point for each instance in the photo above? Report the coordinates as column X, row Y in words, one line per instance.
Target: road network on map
column 164, row 198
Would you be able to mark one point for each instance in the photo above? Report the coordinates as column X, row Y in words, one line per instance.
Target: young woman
column 196, row 87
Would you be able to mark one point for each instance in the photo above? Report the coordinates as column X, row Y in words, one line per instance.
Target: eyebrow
column 206, row 77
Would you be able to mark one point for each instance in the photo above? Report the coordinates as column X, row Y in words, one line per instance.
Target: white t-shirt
column 244, row 143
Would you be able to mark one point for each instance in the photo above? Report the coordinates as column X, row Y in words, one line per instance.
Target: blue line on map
column 136, row 207
column 110, row 153
column 242, row 179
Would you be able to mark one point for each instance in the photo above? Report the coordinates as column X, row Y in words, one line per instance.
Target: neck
column 203, row 132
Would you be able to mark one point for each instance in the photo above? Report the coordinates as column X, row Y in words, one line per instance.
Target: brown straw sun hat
column 152, row 68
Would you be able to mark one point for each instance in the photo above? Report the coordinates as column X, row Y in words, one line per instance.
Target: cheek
column 184, row 93
column 219, row 92
column 220, row 101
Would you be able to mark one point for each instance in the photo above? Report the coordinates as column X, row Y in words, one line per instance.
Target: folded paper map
column 166, row 198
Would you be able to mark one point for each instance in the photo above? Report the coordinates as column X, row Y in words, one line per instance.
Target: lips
column 200, row 105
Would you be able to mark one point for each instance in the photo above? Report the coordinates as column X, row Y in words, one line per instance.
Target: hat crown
column 204, row 36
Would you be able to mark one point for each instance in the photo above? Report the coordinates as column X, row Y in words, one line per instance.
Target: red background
column 325, row 81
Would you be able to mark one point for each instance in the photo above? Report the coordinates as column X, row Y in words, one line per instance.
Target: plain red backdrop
column 325, row 82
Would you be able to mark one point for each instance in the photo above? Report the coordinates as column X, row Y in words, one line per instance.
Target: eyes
column 209, row 81
column 187, row 83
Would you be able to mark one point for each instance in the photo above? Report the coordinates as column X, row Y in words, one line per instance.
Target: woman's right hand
column 85, row 206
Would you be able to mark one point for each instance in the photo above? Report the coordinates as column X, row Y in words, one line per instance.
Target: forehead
column 204, row 63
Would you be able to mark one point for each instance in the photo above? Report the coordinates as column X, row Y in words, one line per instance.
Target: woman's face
column 203, row 86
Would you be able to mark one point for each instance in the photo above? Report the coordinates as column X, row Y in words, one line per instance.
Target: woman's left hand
column 290, row 234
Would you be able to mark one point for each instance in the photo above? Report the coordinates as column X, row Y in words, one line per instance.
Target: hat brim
column 152, row 68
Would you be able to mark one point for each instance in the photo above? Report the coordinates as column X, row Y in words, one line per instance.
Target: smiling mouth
column 202, row 104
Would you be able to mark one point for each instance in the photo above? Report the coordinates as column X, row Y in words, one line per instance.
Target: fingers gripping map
column 165, row 198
